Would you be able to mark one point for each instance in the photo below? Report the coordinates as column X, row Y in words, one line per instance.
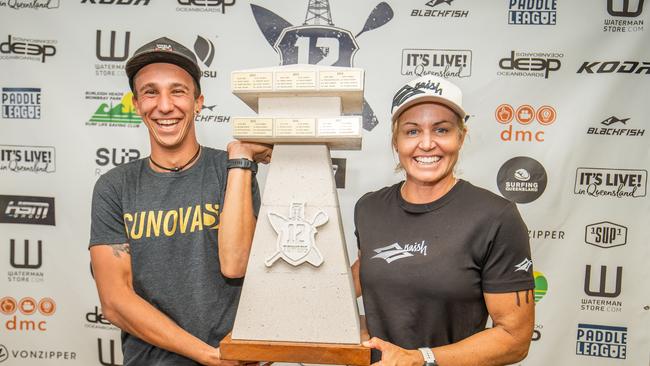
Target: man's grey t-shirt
column 170, row 221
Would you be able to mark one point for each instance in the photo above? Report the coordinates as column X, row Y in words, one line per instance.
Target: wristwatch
column 242, row 164
column 429, row 358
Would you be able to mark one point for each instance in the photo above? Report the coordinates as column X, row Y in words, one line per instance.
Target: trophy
column 298, row 302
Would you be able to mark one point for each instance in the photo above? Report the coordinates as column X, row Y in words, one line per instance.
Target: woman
column 437, row 254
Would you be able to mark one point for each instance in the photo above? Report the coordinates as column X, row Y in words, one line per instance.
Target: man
column 169, row 242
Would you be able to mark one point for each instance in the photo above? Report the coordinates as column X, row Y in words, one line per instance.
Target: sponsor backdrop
column 557, row 93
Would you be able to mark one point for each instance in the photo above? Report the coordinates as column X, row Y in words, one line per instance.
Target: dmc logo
column 623, row 8
column 116, row 2
column 602, row 292
column 535, row 64
column 532, row 12
column 317, row 41
column 112, row 56
column 443, row 63
column 206, row 5
column 21, row 103
column 606, row 234
column 601, row 341
column 27, row 210
column 618, row 183
column 524, row 115
column 116, row 156
column 616, row 130
column 27, row 50
column 618, row 67
column 111, row 353
column 26, row 262
column 27, row 306
column 521, row 179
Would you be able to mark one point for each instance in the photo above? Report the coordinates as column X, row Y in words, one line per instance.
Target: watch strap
column 242, row 163
column 429, row 358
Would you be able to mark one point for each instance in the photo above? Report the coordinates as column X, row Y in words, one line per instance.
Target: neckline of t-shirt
column 182, row 173
column 429, row 206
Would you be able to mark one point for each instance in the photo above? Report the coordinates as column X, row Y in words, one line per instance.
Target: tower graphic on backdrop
column 318, row 41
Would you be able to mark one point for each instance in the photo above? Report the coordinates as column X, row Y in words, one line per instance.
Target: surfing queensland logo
column 521, row 179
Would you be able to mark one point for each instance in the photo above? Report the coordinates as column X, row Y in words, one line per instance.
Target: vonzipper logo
column 27, row 210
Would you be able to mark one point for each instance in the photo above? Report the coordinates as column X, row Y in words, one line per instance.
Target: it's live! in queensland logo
column 615, row 183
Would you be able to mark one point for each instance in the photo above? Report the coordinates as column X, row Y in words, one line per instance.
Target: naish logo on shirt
column 183, row 220
column 393, row 252
column 524, row 265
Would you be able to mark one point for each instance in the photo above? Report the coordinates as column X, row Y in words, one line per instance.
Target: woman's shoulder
column 483, row 199
column 379, row 196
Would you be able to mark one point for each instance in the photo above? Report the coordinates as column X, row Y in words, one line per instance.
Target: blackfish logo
column 317, row 41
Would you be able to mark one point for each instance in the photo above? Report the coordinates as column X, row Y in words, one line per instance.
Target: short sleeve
column 255, row 189
column 107, row 223
column 507, row 266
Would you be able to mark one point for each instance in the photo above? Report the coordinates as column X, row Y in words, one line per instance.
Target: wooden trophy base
column 295, row 352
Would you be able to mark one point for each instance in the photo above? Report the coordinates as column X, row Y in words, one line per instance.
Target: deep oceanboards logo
column 208, row 6
column 618, row 183
column 35, row 159
column 601, row 341
column 532, row 12
column 530, row 64
column 18, row 48
column 27, row 210
column 21, row 103
column 521, row 179
column 317, row 41
column 443, row 63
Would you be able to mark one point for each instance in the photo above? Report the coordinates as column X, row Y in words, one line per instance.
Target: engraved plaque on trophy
column 298, row 302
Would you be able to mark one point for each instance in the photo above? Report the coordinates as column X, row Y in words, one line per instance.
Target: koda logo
column 443, row 63
column 116, row 2
column 30, row 4
column 601, row 291
column 601, row 341
column 204, row 49
column 530, row 64
column 115, row 53
column 618, row 183
column 205, row 5
column 539, row 12
column 122, row 114
column 522, row 179
column 27, row 210
column 22, row 103
column 18, row 48
column 525, row 115
column 606, row 234
column 618, row 67
column 616, row 128
column 624, row 8
column 35, row 159
column 318, row 41
column 26, row 261
column 441, row 9
column 110, row 359
column 27, row 306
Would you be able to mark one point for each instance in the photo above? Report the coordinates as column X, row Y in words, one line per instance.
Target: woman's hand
column 392, row 355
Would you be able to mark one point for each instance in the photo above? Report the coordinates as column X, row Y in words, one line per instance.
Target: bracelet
column 242, row 164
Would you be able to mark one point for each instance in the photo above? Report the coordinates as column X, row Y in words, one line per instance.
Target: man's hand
column 260, row 153
column 392, row 355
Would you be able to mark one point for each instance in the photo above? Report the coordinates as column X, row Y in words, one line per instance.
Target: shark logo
column 524, row 265
column 611, row 120
column 391, row 253
column 317, row 41
column 433, row 3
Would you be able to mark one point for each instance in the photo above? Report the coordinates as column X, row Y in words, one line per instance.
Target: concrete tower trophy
column 298, row 302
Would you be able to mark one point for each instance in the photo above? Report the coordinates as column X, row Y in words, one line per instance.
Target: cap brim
column 431, row 99
column 138, row 62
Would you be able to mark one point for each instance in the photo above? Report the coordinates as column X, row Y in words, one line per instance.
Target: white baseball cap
column 428, row 89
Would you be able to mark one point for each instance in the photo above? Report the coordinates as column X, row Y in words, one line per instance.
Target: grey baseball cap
column 167, row 51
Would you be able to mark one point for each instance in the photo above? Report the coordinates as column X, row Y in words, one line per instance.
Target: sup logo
column 606, row 234
column 317, row 41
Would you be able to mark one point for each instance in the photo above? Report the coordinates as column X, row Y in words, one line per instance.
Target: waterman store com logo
column 601, row 341
column 20, row 158
column 522, row 179
column 618, row 183
column 537, row 12
column 440, row 9
column 21, row 103
column 26, row 258
column 108, row 158
column 530, row 122
column 112, row 49
column 26, row 314
column 27, row 210
column 614, row 126
column 614, row 67
column 112, row 113
column 530, row 64
column 318, row 41
column 29, row 4
column 629, row 11
column 606, row 234
column 602, row 289
column 108, row 353
column 211, row 6
column 18, row 48
column 443, row 63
